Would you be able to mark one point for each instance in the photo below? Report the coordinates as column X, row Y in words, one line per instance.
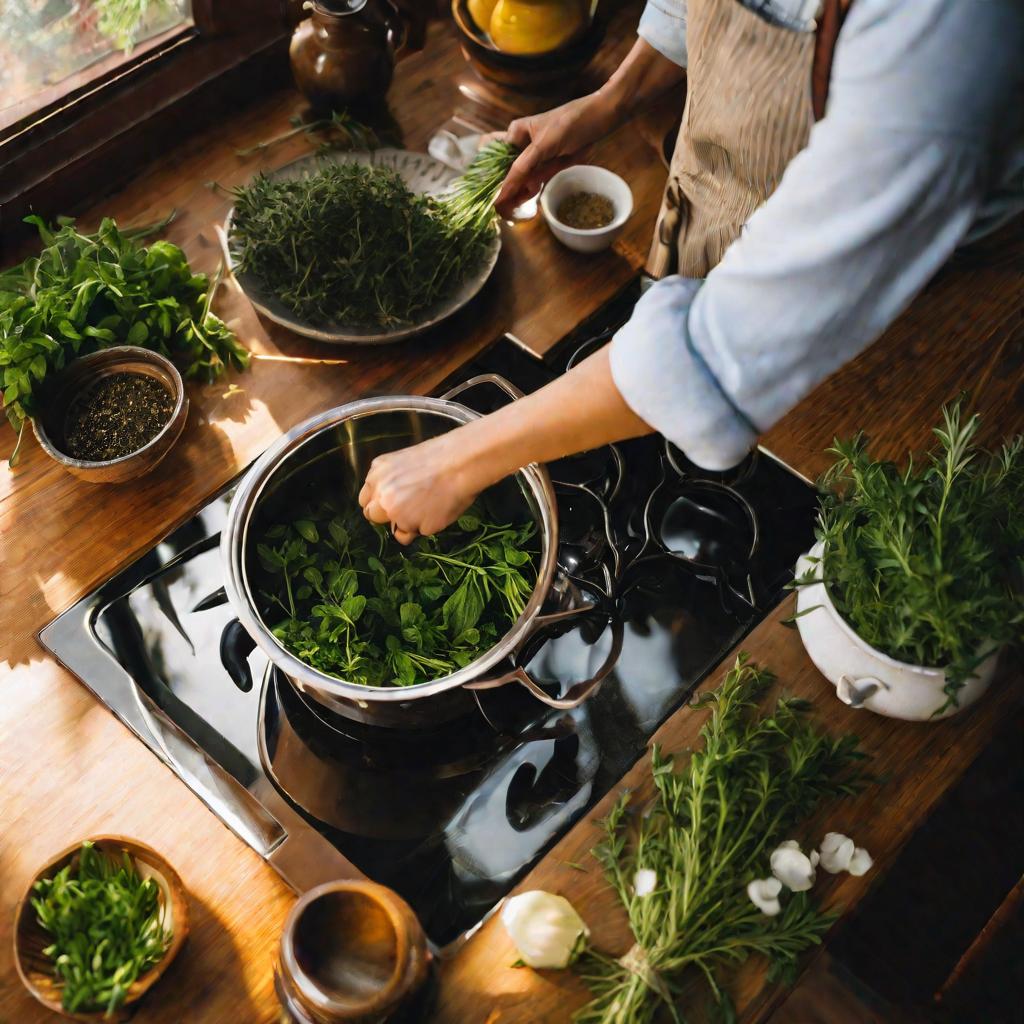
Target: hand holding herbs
column 106, row 928
column 926, row 563
column 87, row 292
column 358, row 606
column 713, row 823
column 351, row 244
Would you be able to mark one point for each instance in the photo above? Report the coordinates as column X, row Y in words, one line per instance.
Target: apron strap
column 829, row 24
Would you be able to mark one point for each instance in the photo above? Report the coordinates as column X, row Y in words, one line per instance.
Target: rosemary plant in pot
column 917, row 580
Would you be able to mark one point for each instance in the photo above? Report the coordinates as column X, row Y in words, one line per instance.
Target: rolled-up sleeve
column 907, row 161
column 663, row 26
column 666, row 382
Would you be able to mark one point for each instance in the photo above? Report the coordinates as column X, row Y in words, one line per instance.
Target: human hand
column 418, row 490
column 550, row 142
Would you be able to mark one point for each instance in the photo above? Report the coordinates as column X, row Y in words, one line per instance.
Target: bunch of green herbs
column 926, row 561
column 709, row 830
column 122, row 21
column 85, row 292
column 352, row 244
column 105, row 920
column 351, row 602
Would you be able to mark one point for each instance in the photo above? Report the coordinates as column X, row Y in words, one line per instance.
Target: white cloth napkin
column 454, row 150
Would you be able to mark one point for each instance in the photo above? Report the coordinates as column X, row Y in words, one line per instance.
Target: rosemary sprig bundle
column 470, row 200
column 710, row 829
column 926, row 562
column 351, row 244
column 105, row 923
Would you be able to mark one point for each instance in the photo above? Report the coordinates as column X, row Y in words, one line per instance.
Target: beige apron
column 753, row 91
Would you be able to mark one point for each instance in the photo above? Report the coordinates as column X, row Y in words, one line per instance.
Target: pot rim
column 817, row 551
column 234, row 541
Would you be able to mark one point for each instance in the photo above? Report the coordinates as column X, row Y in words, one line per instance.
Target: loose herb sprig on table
column 926, row 562
column 105, row 923
column 89, row 291
column 358, row 606
column 709, row 831
column 351, row 244
column 339, row 131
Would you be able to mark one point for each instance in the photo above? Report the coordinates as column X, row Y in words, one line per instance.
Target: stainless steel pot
column 335, row 448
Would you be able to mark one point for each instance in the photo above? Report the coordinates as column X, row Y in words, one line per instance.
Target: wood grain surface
column 69, row 769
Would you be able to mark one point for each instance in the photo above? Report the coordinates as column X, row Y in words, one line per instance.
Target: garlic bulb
column 545, row 928
column 764, row 894
column 791, row 866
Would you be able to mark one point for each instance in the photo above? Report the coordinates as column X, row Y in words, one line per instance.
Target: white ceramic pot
column 587, row 178
column 865, row 677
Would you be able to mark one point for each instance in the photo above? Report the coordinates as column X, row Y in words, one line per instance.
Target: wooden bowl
column 58, row 394
column 529, row 73
column 350, row 950
column 30, row 939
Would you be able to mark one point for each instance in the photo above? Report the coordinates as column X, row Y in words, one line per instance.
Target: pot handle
column 235, row 647
column 484, row 378
column 515, row 394
column 854, row 692
column 578, row 692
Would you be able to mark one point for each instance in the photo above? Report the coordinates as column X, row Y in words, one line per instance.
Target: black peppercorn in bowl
column 112, row 415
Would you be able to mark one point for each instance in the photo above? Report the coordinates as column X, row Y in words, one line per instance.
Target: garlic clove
column 764, row 894
column 836, row 851
column 792, row 867
column 860, row 862
column 545, row 928
column 645, row 881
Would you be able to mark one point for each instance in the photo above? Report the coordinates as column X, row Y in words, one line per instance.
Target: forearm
column 639, row 80
column 580, row 410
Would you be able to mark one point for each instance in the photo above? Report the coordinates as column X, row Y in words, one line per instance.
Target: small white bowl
column 586, row 178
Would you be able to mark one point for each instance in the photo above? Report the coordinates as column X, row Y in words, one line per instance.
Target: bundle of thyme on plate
column 105, row 920
column 351, row 244
column 926, row 562
column 353, row 603
column 708, row 832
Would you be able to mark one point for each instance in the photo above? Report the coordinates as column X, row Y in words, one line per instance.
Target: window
column 89, row 89
column 50, row 49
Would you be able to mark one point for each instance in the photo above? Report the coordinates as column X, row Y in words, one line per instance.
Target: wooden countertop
column 69, row 769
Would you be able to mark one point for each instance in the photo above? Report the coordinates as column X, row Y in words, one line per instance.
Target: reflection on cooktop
column 681, row 564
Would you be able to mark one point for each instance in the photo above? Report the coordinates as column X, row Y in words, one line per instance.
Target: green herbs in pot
column 347, row 599
column 105, row 920
column 87, row 292
column 351, row 244
column 926, row 561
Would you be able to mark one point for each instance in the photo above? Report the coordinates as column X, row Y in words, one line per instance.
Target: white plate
column 421, row 173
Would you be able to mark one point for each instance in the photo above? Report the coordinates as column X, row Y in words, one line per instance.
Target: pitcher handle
column 406, row 23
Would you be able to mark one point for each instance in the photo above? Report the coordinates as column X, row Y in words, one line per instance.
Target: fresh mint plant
column 348, row 600
column 87, row 292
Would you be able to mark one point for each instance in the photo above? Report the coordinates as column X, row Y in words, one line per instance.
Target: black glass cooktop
column 678, row 563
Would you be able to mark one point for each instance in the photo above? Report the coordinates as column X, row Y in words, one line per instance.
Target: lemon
column 535, row 26
column 480, row 11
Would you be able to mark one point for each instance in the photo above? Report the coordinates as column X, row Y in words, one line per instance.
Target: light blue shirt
column 921, row 149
